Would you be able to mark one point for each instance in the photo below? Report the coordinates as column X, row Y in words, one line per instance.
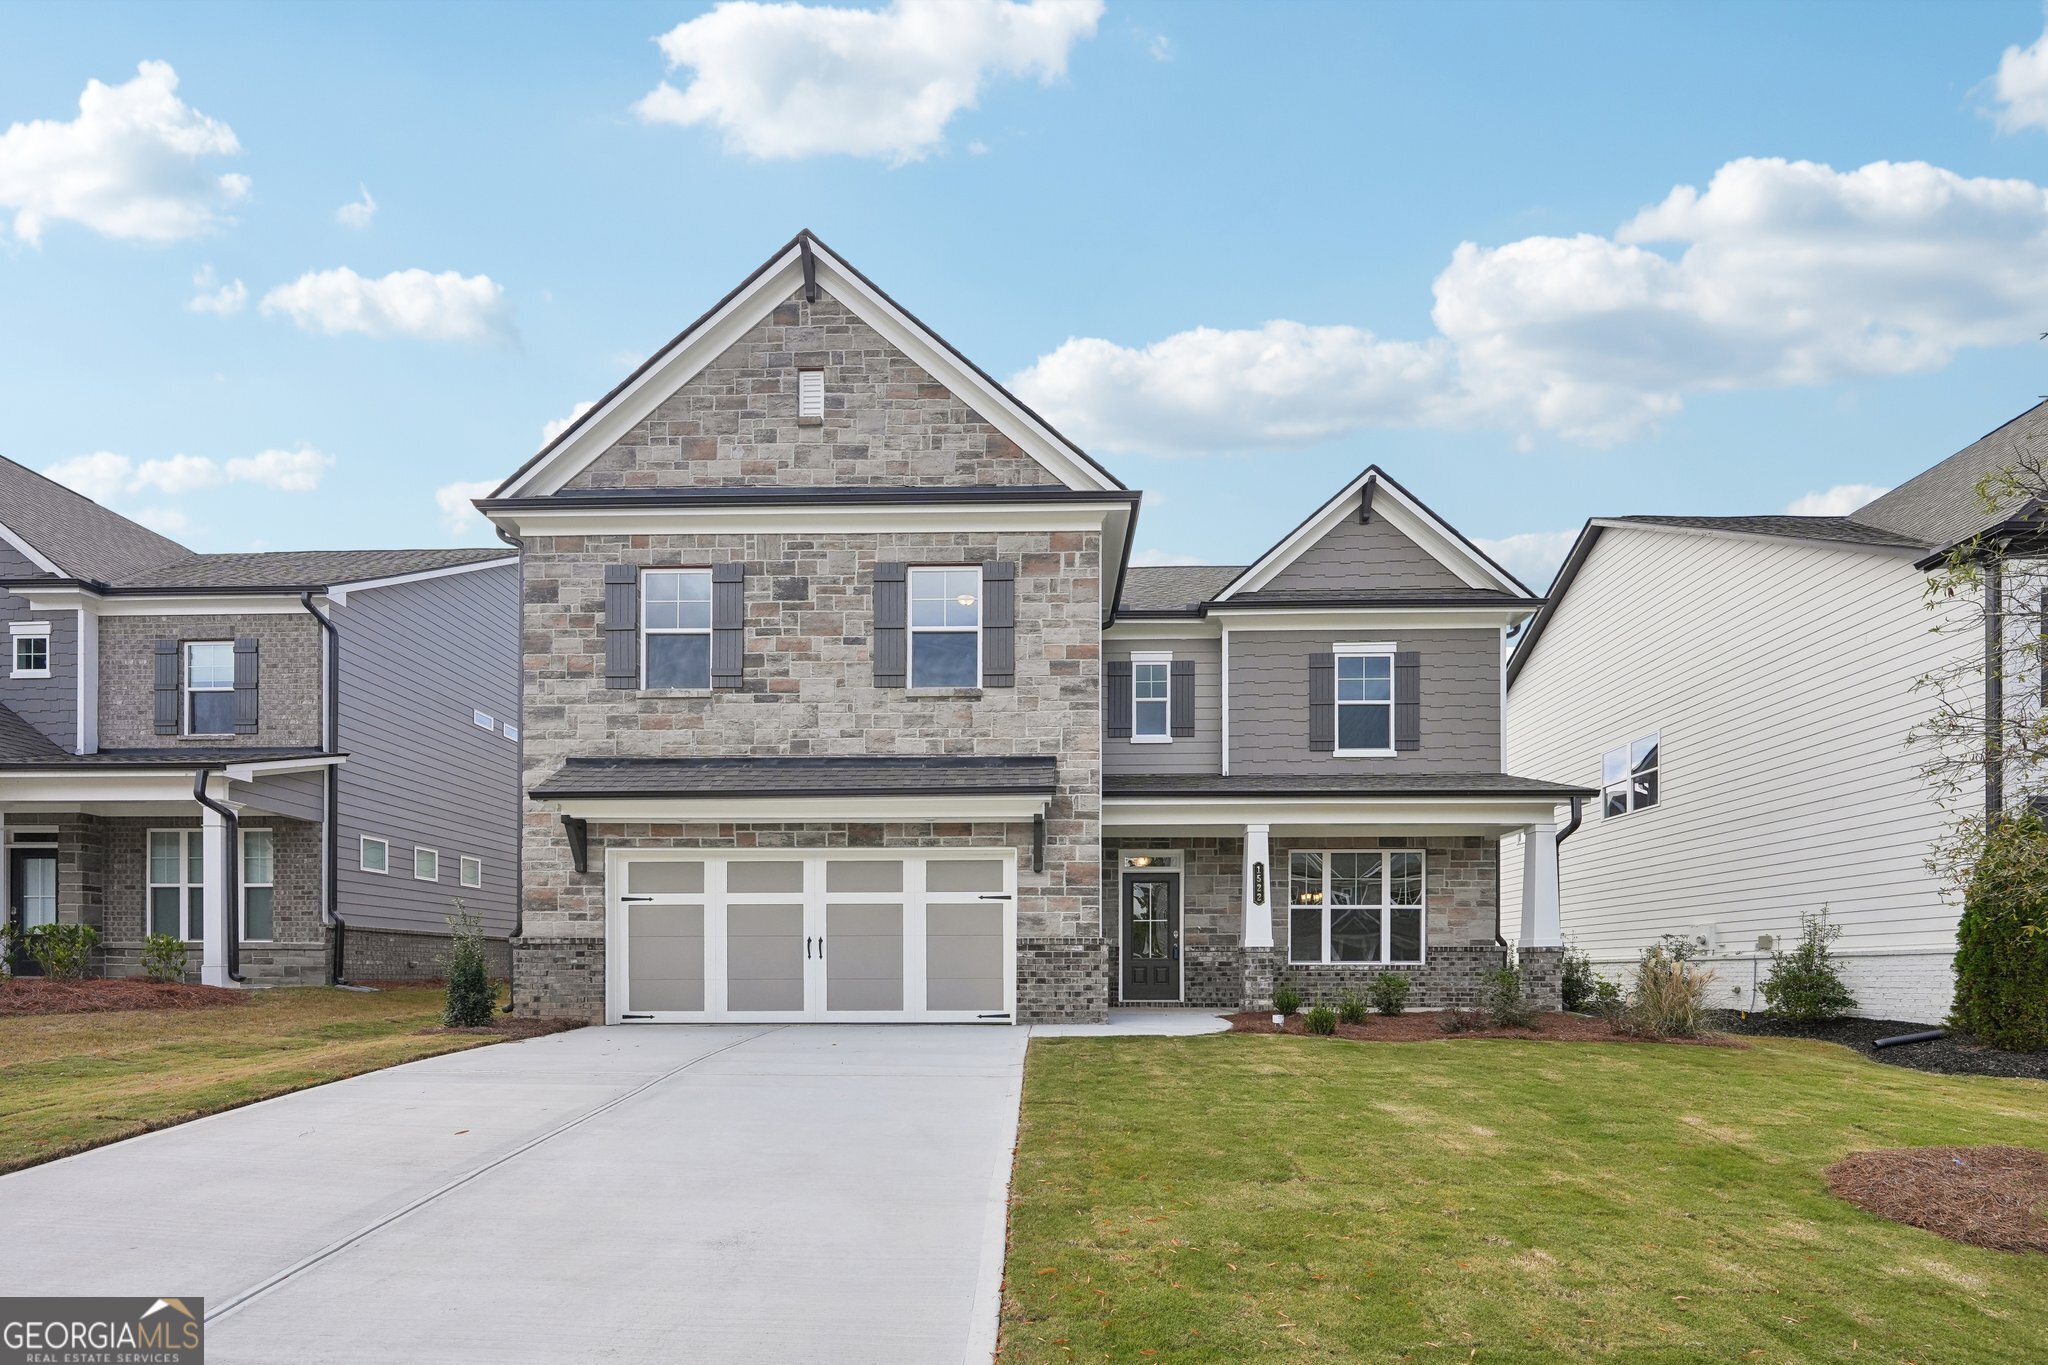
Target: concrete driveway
column 708, row 1193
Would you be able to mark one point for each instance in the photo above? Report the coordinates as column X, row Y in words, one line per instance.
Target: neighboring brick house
column 843, row 702
column 322, row 744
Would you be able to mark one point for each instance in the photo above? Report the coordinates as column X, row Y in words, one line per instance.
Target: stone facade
column 288, row 700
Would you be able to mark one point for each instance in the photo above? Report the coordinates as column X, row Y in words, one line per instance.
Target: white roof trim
column 687, row 356
column 1164, row 812
column 338, row 592
column 249, row 772
column 1728, row 533
column 1406, row 515
column 31, row 553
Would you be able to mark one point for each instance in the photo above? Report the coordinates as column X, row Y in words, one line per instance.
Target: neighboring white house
column 1742, row 690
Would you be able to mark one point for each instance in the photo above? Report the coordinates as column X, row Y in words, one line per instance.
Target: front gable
column 1353, row 554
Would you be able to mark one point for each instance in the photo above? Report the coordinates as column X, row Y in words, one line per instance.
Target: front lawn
column 1244, row 1197
column 72, row 1081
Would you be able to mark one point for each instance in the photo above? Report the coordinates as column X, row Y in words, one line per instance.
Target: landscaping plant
column 163, row 957
column 1578, row 981
column 1286, row 1000
column 1456, row 1020
column 1608, row 1002
column 1506, row 1002
column 1350, row 1007
column 1389, row 992
column 2002, row 942
column 1804, row 986
column 62, row 950
column 1669, row 998
column 471, row 998
column 1320, row 1019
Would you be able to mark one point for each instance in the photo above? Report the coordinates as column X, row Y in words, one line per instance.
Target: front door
column 1151, row 942
column 31, row 900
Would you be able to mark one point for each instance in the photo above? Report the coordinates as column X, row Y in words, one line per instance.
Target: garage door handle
column 636, row 898
column 992, row 898
column 807, row 948
column 821, row 947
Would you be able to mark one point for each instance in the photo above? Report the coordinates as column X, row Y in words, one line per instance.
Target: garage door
column 786, row 937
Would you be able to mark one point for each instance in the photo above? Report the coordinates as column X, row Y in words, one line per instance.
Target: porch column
column 1258, row 887
column 1541, row 924
column 215, row 869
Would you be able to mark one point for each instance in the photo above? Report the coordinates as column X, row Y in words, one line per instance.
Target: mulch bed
column 512, row 1026
column 1422, row 1026
column 1950, row 1056
column 25, row 995
column 1993, row 1197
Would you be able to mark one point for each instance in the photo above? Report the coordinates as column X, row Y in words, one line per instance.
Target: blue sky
column 1240, row 252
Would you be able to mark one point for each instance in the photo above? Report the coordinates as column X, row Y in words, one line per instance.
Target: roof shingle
column 79, row 536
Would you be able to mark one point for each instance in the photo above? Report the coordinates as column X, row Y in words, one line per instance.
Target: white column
column 216, row 868
column 1541, row 925
column 1258, row 887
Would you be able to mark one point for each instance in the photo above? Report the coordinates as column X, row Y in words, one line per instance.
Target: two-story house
column 294, row 762
column 843, row 703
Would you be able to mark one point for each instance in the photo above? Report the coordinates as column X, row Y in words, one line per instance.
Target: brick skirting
column 559, row 978
column 1062, row 981
column 1454, row 976
column 398, row 955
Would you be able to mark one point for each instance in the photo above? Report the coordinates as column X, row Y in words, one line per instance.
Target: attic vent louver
column 810, row 394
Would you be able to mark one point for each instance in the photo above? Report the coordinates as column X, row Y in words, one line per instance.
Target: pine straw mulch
column 512, row 1026
column 1423, row 1026
column 1993, row 1197
column 26, row 995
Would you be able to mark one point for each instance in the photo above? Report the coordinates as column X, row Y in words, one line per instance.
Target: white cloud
column 168, row 521
column 460, row 520
column 101, row 476
column 1778, row 274
column 411, row 303
column 128, row 166
column 1838, row 501
column 1159, row 559
column 1160, row 48
column 110, row 478
column 788, row 80
column 1532, row 556
column 357, row 213
column 215, row 297
column 288, row 471
column 551, row 430
column 2020, row 85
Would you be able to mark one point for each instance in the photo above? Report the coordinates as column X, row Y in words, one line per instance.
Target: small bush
column 1286, row 1000
column 62, row 950
column 1320, row 1019
column 2002, row 942
column 7, row 949
column 1608, row 1002
column 1506, row 1002
column 163, row 957
column 1669, row 998
column 1804, row 986
column 471, row 998
column 1390, row 992
column 1456, row 1020
column 1578, row 981
column 1350, row 1007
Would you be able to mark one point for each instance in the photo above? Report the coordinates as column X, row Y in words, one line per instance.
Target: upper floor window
column 31, row 645
column 1628, row 778
column 675, row 628
column 1151, row 695
column 1365, row 700
column 210, row 688
column 945, row 627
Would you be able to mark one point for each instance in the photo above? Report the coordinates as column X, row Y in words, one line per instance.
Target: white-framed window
column 675, row 629
column 30, row 648
column 1628, row 777
column 376, row 855
column 210, row 687
column 482, row 720
column 945, row 627
column 259, row 885
column 472, row 871
column 426, row 864
column 1151, row 698
column 810, row 394
column 511, row 732
column 1356, row 906
column 177, row 874
column 1365, row 700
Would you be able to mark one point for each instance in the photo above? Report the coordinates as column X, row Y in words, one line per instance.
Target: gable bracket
column 810, row 270
column 1365, row 501
column 579, row 841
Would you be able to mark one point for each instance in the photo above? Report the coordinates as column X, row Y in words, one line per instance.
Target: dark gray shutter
column 998, row 624
column 1322, row 703
column 1116, row 699
column 728, row 623
column 167, row 687
column 892, row 620
column 621, row 626
column 247, row 676
column 1408, row 699
column 1182, row 693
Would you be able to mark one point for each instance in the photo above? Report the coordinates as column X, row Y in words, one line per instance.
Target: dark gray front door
column 31, row 900
column 1151, row 940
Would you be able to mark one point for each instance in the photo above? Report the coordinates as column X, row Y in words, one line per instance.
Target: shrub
column 1390, row 992
column 2002, row 942
column 1320, row 1019
column 1579, row 981
column 1506, row 1002
column 471, row 997
column 1455, row 1020
column 62, row 950
column 1804, row 986
column 1350, row 1007
column 163, row 957
column 8, row 947
column 1669, row 998
column 1608, row 1002
column 1286, row 999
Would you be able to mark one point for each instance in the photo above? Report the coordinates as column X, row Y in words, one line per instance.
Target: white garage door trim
column 794, row 932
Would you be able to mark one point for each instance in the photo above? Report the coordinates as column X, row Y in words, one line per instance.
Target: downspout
column 230, row 875
column 1571, row 827
column 519, row 797
column 330, row 876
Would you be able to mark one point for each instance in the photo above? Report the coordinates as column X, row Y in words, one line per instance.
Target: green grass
column 72, row 1081
column 1257, row 1198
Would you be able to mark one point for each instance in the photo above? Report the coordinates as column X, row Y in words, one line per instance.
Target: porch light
column 1141, row 860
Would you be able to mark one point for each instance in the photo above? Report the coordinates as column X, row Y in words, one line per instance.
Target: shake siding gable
column 49, row 704
column 1369, row 555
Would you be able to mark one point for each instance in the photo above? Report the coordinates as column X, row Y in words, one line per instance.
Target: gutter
column 330, row 876
column 1571, row 827
column 231, row 878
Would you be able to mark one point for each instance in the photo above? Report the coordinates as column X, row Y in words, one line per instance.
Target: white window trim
column 911, row 632
column 1166, row 660
column 1374, row 649
column 242, row 873
column 27, row 630
column 1628, row 774
column 646, row 630
column 511, row 732
column 187, row 689
column 1386, row 907
column 463, row 869
column 150, row 884
column 363, row 856
column 417, row 850
column 482, row 720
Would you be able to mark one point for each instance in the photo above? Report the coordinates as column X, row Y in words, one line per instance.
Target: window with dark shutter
column 247, row 677
column 1183, row 695
column 1407, row 700
column 998, row 624
column 621, row 626
column 166, row 678
column 728, row 623
column 1322, row 703
column 892, row 621
column 1116, row 699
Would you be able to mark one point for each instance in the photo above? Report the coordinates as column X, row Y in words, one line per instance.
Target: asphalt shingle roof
column 1939, row 507
column 1174, row 587
column 1846, row 530
column 297, row 568
column 21, row 742
column 81, row 537
column 856, row 776
column 1333, row 784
